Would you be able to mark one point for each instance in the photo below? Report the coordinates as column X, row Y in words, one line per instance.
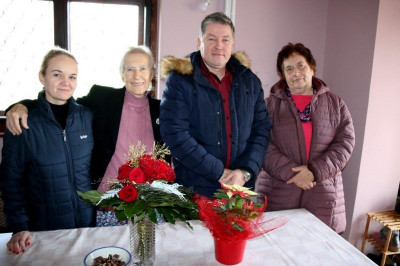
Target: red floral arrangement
column 144, row 187
column 145, row 169
column 233, row 216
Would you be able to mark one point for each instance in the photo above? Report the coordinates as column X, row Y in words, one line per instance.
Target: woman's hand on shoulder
column 304, row 178
column 19, row 242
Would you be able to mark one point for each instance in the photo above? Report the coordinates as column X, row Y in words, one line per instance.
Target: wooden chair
column 390, row 219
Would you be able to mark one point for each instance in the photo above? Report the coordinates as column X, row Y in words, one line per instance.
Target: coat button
column 219, row 143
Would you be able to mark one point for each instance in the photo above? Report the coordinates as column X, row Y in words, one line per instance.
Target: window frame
column 61, row 33
column 147, row 37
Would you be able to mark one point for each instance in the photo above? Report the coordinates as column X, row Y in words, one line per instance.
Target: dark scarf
column 305, row 115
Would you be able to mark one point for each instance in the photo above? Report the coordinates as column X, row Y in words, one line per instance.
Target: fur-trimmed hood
column 184, row 66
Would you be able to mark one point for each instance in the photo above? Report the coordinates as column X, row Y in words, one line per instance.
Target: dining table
column 303, row 240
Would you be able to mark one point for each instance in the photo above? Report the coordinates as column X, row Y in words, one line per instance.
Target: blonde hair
column 51, row 54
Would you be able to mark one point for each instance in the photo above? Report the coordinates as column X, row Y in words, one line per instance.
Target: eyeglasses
column 293, row 68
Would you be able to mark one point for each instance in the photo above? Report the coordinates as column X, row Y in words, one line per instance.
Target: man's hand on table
column 232, row 177
column 19, row 242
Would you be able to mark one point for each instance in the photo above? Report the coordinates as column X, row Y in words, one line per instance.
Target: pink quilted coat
column 332, row 143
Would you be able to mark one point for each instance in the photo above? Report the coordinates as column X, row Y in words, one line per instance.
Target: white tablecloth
column 304, row 240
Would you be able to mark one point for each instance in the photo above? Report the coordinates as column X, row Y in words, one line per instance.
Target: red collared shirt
column 224, row 88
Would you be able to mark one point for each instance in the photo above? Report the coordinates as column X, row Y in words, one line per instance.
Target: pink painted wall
column 350, row 42
column 179, row 26
column 355, row 45
column 263, row 27
column 379, row 175
column 261, row 30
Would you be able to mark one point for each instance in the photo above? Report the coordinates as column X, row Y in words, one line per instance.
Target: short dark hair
column 291, row 49
column 217, row 17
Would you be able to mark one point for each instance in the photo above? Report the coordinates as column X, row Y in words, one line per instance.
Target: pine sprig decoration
column 159, row 198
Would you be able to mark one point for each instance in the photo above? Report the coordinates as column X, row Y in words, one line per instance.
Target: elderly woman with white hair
column 121, row 117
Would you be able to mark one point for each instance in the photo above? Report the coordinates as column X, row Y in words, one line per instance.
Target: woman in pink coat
column 312, row 139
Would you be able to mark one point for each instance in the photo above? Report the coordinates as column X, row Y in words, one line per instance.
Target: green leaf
column 139, row 206
column 129, row 210
column 92, row 195
column 184, row 214
column 221, row 195
column 221, row 208
column 193, row 214
column 167, row 215
column 162, row 204
column 177, row 215
column 151, row 213
column 120, row 215
column 239, row 203
column 237, row 227
column 134, row 208
column 119, row 207
column 139, row 217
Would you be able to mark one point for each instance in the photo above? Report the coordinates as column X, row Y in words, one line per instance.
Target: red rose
column 156, row 169
column 165, row 172
column 147, row 164
column 145, row 157
column 137, row 176
column 123, row 171
column 128, row 193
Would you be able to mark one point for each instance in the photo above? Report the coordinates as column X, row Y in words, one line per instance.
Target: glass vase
column 142, row 242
